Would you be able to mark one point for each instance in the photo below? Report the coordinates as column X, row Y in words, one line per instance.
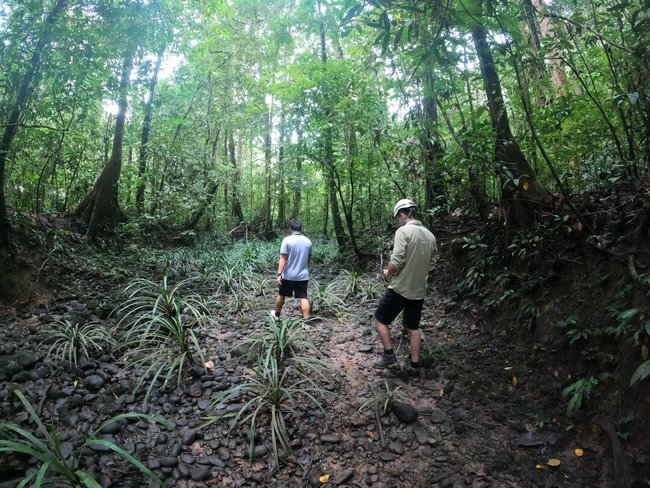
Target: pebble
column 387, row 456
column 94, row 382
column 189, row 437
column 260, row 451
column 168, row 462
column 330, row 439
column 438, row 416
column 396, row 448
column 341, row 478
column 200, row 473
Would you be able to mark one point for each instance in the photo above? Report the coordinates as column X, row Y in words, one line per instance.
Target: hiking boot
column 387, row 361
column 413, row 373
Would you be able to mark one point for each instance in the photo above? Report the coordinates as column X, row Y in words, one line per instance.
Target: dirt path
column 483, row 419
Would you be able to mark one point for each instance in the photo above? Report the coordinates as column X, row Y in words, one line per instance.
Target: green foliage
column 579, row 393
column 269, row 398
column 641, row 373
column 288, row 342
column 69, row 341
column 327, row 299
column 54, row 467
column 385, row 398
column 157, row 331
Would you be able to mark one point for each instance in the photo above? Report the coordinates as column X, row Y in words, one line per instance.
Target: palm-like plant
column 70, row 341
column 271, row 396
column 350, row 282
column 384, row 399
column 370, row 289
column 326, row 298
column 287, row 342
column 158, row 331
column 54, row 468
column 229, row 278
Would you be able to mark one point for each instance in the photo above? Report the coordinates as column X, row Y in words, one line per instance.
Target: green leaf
column 629, row 313
column 353, row 12
column 87, row 480
column 135, row 462
column 641, row 372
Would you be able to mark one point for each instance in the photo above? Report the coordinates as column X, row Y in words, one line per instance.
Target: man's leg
column 279, row 303
column 384, row 335
column 416, row 344
column 305, row 307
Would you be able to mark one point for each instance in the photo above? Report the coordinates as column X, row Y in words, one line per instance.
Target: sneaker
column 272, row 314
column 387, row 361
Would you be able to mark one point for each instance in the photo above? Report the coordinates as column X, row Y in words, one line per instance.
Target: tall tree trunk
column 547, row 29
column 282, row 204
column 433, row 151
column 100, row 209
column 267, row 218
column 24, row 90
column 329, row 154
column 237, row 214
column 146, row 129
column 297, row 184
column 536, row 67
column 522, row 193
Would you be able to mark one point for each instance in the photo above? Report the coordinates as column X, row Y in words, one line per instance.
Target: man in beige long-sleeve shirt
column 407, row 272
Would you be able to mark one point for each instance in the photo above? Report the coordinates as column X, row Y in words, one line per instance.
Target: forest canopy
column 217, row 114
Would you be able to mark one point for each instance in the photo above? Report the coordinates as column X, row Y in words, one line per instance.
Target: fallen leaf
column 525, row 186
column 324, row 479
column 209, row 365
column 514, row 381
column 579, row 452
column 553, row 462
column 539, row 466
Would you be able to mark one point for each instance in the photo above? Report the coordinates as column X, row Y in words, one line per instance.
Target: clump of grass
column 71, row 341
column 157, row 331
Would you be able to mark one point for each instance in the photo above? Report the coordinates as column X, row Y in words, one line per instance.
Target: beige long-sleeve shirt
column 412, row 253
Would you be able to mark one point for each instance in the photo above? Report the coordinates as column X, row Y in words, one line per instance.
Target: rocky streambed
column 483, row 413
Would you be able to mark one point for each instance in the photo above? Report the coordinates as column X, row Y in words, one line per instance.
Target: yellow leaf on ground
column 579, row 452
column 324, row 479
column 539, row 466
column 553, row 462
column 514, row 381
column 525, row 186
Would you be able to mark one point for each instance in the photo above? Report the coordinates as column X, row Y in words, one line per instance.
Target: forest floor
column 490, row 412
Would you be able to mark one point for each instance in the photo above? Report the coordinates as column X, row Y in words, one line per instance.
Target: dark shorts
column 290, row 288
column 392, row 303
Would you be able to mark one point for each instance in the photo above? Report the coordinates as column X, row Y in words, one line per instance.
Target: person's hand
column 385, row 273
column 278, row 280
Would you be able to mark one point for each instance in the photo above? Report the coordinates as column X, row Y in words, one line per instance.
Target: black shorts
column 392, row 303
column 289, row 288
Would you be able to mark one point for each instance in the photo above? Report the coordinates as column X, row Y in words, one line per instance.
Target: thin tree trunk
column 522, row 193
column 297, row 191
column 24, row 90
column 101, row 208
column 237, row 213
column 282, row 204
column 146, row 129
column 433, row 151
